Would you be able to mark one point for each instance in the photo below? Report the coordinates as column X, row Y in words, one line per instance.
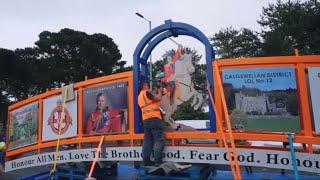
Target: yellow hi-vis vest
column 149, row 108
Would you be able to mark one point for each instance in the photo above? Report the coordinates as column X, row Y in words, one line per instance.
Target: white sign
column 52, row 112
column 213, row 155
column 314, row 84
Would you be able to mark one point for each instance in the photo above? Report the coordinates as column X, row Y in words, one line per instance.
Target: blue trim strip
column 293, row 156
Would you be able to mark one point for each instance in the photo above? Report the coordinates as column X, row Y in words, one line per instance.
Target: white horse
column 184, row 89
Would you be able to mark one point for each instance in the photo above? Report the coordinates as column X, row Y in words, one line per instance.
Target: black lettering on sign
column 193, row 153
column 272, row 158
column 78, row 156
column 51, row 157
column 170, row 155
column 284, row 161
column 41, row 159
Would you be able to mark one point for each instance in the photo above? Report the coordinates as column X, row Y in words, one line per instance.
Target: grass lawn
column 277, row 123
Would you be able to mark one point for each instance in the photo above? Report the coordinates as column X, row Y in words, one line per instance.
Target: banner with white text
column 212, row 155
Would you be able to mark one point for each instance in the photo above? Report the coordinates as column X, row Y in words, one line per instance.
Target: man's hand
column 157, row 94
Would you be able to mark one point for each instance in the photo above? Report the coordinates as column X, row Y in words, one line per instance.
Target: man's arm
column 156, row 96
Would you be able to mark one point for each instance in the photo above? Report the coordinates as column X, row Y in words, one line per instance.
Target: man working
column 152, row 123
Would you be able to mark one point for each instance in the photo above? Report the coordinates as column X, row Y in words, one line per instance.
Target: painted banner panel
column 23, row 127
column 263, row 99
column 314, row 86
column 52, row 112
column 106, row 109
column 212, row 155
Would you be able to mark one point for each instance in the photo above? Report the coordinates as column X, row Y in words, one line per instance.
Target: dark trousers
column 153, row 139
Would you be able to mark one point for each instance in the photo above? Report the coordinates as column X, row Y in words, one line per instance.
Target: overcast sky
column 21, row 21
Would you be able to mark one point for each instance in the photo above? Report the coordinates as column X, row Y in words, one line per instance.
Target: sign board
column 52, row 112
column 23, row 127
column 213, row 155
column 106, row 109
column 314, row 86
column 263, row 99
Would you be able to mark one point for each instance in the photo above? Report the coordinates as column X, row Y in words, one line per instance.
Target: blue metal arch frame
column 144, row 49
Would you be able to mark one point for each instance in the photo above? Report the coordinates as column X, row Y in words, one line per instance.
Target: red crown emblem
column 55, row 115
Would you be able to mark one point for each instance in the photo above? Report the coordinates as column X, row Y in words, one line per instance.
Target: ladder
column 232, row 156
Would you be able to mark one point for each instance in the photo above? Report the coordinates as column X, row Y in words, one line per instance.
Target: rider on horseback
column 169, row 73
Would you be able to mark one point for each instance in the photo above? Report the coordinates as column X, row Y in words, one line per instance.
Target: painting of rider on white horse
column 176, row 76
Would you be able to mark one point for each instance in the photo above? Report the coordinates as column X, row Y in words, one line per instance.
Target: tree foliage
column 186, row 112
column 57, row 59
column 289, row 25
column 7, row 61
column 286, row 25
column 232, row 43
column 71, row 55
column 7, row 64
column 238, row 118
column 14, row 76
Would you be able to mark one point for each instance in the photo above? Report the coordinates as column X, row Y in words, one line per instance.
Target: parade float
column 275, row 99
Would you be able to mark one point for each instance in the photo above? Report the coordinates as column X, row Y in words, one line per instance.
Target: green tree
column 72, row 55
column 238, row 118
column 289, row 25
column 8, row 70
column 286, row 25
column 232, row 43
column 33, row 76
column 292, row 104
column 122, row 68
column 186, row 112
column 199, row 77
column 62, row 58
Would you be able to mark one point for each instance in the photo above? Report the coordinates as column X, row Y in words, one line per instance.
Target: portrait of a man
column 103, row 119
column 105, row 109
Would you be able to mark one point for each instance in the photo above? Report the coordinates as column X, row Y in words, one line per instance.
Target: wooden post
column 96, row 157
